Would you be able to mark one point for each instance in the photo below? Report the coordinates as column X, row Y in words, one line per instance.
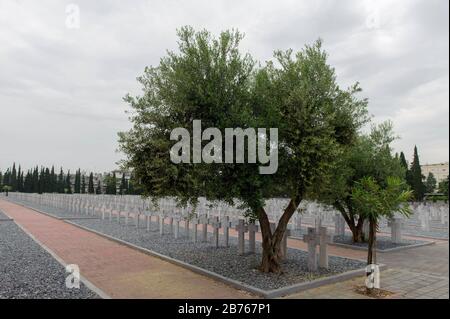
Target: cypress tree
column 68, row 185
column 61, row 182
column 416, row 177
column 13, row 181
column 83, row 184
column 91, row 184
column 28, row 183
column 18, row 184
column 53, row 181
column 47, row 181
column 403, row 161
column 21, row 182
column 77, row 185
column 35, row 180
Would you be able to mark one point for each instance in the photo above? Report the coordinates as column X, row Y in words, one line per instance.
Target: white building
column 439, row 170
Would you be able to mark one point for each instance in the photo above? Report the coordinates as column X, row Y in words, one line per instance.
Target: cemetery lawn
column 223, row 261
column 27, row 271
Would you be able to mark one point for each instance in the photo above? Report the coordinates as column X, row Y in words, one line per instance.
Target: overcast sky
column 61, row 87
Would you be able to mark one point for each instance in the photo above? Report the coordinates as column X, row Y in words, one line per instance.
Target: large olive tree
column 208, row 79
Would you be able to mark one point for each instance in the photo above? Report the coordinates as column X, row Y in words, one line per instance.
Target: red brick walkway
column 119, row 271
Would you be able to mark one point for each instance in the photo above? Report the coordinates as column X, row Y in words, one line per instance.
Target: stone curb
column 85, row 281
column 274, row 293
column 427, row 243
column 385, row 250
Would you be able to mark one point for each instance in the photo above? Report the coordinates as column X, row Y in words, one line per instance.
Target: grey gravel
column 222, row 260
column 382, row 242
column 27, row 271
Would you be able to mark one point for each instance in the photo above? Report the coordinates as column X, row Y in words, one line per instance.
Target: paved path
column 421, row 272
column 123, row 272
column 119, row 271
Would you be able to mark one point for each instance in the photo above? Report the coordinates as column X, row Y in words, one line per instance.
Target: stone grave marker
column 311, row 239
column 216, row 226
column 396, row 229
column 226, row 230
column 252, row 229
column 339, row 224
column 324, row 239
column 241, row 228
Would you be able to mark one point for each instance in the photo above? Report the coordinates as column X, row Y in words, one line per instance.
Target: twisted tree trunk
column 271, row 242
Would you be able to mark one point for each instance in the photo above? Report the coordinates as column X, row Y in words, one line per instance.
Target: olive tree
column 369, row 156
column 374, row 201
column 208, row 79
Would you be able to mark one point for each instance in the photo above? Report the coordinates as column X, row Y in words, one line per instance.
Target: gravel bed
column 382, row 242
column 434, row 233
column 27, row 271
column 222, row 260
column 3, row 217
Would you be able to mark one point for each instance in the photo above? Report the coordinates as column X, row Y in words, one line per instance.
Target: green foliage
column 374, row 201
column 111, row 184
column 83, row 184
column 430, row 183
column 443, row 186
column 370, row 155
column 98, row 189
column 77, row 184
column 68, row 184
column 415, row 177
column 91, row 184
column 210, row 80
column 123, row 188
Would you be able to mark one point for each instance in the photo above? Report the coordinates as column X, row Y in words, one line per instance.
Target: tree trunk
column 371, row 254
column 356, row 226
column 270, row 258
column 271, row 243
column 357, row 233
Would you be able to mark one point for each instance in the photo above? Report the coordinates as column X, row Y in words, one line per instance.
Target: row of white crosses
column 166, row 210
column 124, row 207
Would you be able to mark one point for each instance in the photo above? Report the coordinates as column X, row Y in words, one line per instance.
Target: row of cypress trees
column 46, row 180
column 414, row 176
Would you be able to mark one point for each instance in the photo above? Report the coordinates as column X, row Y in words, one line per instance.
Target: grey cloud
column 61, row 89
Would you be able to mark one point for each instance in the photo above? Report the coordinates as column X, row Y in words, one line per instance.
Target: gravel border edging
column 274, row 293
column 85, row 281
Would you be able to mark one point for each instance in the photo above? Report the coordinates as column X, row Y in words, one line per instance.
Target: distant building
column 439, row 170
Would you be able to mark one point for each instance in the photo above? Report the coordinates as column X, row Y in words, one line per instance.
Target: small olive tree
column 374, row 201
column 369, row 156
